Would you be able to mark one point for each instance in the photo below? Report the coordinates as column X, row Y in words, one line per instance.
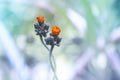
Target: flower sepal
column 53, row 40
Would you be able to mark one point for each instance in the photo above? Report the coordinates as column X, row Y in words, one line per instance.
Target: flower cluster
column 54, row 39
column 42, row 28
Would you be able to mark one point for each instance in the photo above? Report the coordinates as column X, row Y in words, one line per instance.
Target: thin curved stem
column 51, row 58
column 52, row 63
column 43, row 42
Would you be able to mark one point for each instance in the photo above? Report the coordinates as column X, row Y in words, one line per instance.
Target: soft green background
column 101, row 16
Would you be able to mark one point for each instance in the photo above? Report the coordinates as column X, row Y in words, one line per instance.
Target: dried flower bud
column 40, row 19
column 55, row 30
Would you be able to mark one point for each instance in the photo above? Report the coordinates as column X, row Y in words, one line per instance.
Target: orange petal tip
column 55, row 30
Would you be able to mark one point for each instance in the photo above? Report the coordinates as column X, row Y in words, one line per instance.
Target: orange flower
column 55, row 30
column 40, row 19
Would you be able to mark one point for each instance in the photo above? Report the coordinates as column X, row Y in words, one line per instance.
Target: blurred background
column 90, row 47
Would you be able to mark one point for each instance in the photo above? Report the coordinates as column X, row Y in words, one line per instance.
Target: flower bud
column 55, row 30
column 40, row 19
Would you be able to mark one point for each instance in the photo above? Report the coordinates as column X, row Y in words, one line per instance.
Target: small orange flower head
column 40, row 19
column 55, row 30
